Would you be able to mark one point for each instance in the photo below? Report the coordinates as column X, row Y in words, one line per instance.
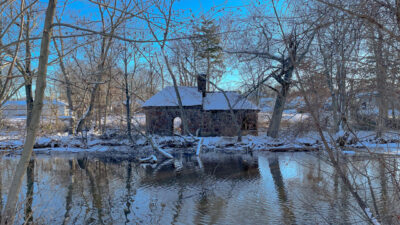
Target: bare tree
column 9, row 57
column 66, row 76
column 115, row 17
column 129, row 55
column 337, row 44
column 8, row 213
column 262, row 42
column 165, row 9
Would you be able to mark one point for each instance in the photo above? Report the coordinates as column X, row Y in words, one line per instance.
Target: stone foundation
column 159, row 120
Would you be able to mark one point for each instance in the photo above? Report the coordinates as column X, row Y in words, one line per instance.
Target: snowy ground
column 62, row 142
column 13, row 139
column 289, row 115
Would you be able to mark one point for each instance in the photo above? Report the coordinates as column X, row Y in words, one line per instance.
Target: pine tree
column 207, row 46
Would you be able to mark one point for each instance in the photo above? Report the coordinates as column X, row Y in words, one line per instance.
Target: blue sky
column 197, row 7
column 85, row 9
column 232, row 78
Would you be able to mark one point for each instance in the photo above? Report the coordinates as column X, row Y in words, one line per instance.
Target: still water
column 265, row 188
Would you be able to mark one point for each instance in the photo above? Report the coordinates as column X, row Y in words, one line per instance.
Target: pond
column 264, row 188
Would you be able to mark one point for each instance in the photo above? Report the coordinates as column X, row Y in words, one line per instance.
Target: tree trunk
column 28, row 73
column 98, row 111
column 12, row 197
column 128, row 103
column 279, row 106
column 329, row 81
column 88, row 112
column 342, row 98
column 106, row 106
column 178, row 96
column 68, row 88
column 380, row 84
column 105, row 46
column 29, row 101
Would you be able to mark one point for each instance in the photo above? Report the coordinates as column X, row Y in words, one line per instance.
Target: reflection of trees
column 68, row 198
column 211, row 205
column 203, row 204
column 371, row 179
column 1, row 185
column 334, row 197
column 202, row 207
column 103, row 170
column 384, row 193
column 288, row 216
column 178, row 205
column 30, row 179
column 127, row 209
column 94, row 191
column 345, row 204
column 212, row 194
column 387, row 169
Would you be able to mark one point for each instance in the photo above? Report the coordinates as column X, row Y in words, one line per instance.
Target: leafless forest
column 334, row 62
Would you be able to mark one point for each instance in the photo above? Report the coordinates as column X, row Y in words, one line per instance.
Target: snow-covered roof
column 167, row 97
column 23, row 102
column 191, row 97
column 217, row 101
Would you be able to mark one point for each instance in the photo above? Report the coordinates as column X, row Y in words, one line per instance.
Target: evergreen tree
column 208, row 50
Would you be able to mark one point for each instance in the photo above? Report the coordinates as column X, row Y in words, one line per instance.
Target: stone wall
column 159, row 120
column 220, row 123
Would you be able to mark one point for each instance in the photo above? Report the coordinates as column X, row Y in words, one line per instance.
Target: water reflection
column 266, row 188
column 288, row 216
column 127, row 209
column 68, row 198
column 30, row 179
column 1, row 186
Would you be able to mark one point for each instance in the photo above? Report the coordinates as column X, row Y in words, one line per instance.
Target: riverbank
column 113, row 143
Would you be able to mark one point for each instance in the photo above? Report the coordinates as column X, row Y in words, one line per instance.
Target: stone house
column 207, row 113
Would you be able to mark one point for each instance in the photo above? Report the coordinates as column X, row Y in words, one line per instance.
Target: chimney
column 202, row 83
